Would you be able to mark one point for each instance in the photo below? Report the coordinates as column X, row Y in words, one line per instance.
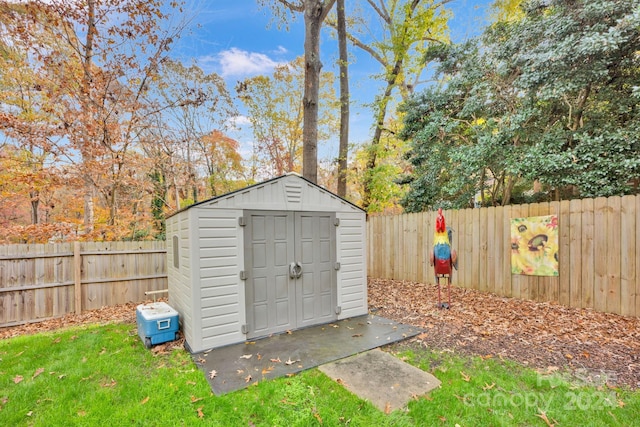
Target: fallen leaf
column 145, row 400
column 290, row 375
column 250, row 342
column 200, row 413
column 443, row 419
column 195, row 399
column 201, row 361
column 289, row 332
column 73, row 338
column 82, row 413
column 37, row 372
column 543, row 416
column 341, row 382
column 240, row 371
column 267, row 370
column 191, row 383
column 334, row 326
column 290, row 362
column 109, row 384
column 387, row 408
column 104, row 350
column 356, row 335
column 259, row 356
column 568, row 356
column 277, row 360
column 29, row 413
column 488, row 387
column 620, row 404
column 246, row 356
column 465, row 376
column 317, row 417
column 213, row 373
column 248, row 378
column 17, row 379
column 61, row 376
column 57, row 340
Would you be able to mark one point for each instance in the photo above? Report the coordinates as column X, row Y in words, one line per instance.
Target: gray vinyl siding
column 221, row 298
column 352, row 276
column 288, row 193
column 180, row 289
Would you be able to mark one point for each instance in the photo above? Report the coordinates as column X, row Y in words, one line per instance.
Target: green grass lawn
column 103, row 375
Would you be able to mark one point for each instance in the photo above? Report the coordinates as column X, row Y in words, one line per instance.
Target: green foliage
column 551, row 97
column 158, row 202
column 384, row 189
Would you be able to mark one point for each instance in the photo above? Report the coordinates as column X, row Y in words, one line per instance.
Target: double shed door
column 290, row 261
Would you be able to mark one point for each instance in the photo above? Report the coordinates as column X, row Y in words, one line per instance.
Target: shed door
column 275, row 300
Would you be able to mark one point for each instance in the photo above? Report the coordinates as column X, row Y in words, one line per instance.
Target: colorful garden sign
column 534, row 245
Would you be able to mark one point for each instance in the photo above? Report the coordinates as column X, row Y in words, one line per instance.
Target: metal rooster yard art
column 443, row 258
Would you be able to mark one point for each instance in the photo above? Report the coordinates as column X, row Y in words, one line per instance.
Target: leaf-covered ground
column 539, row 335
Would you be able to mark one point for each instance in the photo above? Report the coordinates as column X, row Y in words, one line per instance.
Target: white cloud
column 237, row 62
column 236, row 122
column 281, row 50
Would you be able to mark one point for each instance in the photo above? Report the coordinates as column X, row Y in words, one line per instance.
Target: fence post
column 77, row 276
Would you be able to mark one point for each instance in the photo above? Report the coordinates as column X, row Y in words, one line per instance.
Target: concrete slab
column 241, row 365
column 384, row 380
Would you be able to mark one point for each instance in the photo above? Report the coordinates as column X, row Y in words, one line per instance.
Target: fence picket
column 628, row 231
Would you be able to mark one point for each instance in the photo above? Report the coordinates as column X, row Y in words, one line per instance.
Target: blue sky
column 234, row 39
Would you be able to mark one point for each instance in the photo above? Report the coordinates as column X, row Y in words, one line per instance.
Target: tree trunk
column 35, row 202
column 343, row 150
column 313, row 65
column 88, row 154
column 88, row 208
column 113, row 209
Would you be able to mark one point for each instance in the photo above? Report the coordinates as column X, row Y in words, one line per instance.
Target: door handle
column 295, row 270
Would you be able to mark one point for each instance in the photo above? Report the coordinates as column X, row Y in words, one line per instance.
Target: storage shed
column 276, row 256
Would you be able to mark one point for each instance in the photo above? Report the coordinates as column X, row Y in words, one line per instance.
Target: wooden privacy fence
column 38, row 282
column 599, row 252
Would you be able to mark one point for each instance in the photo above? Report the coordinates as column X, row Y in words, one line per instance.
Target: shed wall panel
column 352, row 276
column 288, row 193
column 220, row 290
column 179, row 279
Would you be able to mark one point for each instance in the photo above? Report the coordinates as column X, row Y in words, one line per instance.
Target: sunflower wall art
column 534, row 245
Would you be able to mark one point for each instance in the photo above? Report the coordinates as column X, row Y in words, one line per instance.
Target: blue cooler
column 157, row 323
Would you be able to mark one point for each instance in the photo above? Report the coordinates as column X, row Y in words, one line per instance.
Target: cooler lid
column 156, row 310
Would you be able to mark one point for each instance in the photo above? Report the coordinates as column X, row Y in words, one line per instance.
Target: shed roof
column 291, row 176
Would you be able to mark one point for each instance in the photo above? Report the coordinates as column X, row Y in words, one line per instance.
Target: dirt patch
column 120, row 313
column 540, row 335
